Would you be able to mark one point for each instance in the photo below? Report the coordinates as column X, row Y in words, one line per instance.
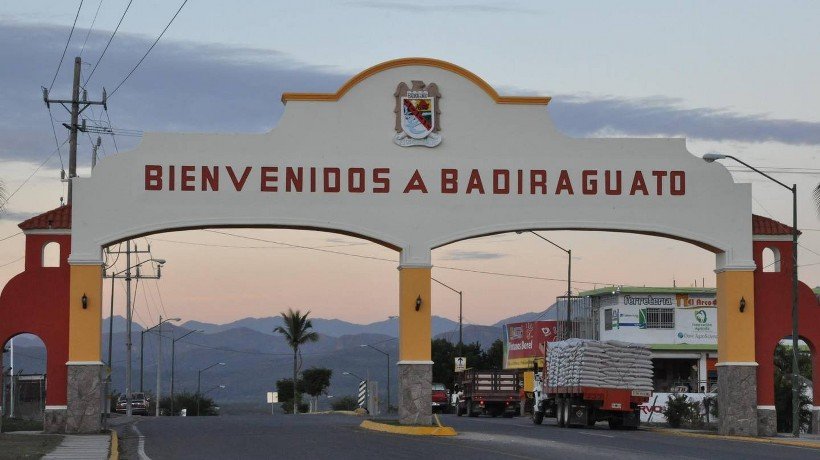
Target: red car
column 441, row 398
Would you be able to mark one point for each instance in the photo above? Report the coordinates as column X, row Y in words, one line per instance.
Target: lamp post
column 159, row 358
column 126, row 274
column 199, row 384
column 387, row 355
column 460, row 322
column 173, row 362
column 709, row 158
column 569, row 275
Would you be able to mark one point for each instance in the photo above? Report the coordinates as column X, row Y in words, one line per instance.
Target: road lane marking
column 587, row 433
column 140, row 444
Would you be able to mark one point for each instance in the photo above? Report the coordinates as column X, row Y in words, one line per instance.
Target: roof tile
column 56, row 218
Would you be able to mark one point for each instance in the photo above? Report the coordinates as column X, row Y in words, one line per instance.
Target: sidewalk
column 95, row 446
column 811, row 441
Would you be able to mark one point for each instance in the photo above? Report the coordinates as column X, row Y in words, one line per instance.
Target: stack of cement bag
column 590, row 363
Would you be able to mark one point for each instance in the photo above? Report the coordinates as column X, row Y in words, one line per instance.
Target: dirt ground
column 27, row 445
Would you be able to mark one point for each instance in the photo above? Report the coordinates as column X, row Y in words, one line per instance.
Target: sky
column 734, row 77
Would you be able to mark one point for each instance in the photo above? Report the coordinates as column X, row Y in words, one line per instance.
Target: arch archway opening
column 783, row 378
column 24, row 383
column 50, row 255
column 771, row 260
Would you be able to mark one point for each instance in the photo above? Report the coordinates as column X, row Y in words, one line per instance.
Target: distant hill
column 330, row 327
column 550, row 314
column 485, row 335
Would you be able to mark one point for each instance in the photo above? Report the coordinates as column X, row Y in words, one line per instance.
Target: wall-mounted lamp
column 742, row 304
column 84, row 300
column 418, row 302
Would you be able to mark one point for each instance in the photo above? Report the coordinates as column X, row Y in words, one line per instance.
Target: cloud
column 185, row 86
column 17, row 217
column 472, row 255
column 660, row 116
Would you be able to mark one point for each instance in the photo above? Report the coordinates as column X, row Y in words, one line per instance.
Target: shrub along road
column 339, row 437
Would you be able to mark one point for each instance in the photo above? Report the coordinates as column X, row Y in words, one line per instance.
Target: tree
column 188, row 401
column 297, row 332
column 345, row 403
column 315, row 381
column 494, row 357
column 783, row 387
column 286, row 396
column 2, row 196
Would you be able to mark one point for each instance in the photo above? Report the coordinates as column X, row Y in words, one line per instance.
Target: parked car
column 441, row 398
column 139, row 404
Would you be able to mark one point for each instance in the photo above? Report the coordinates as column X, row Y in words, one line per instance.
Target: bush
column 345, row 403
column 188, row 401
column 680, row 410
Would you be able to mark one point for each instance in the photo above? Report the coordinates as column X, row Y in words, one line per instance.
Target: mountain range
column 255, row 357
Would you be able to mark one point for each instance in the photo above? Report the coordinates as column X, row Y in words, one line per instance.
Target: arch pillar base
column 54, row 419
column 766, row 421
column 737, row 399
column 83, row 413
column 415, row 393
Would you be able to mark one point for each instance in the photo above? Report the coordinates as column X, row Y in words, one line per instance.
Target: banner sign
column 696, row 325
column 524, row 343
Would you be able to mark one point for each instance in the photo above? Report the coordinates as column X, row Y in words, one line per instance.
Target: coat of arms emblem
column 417, row 114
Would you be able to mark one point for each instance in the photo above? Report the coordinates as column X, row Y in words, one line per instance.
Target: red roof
column 765, row 226
column 56, row 218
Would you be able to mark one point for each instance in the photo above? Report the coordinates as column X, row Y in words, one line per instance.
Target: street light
column 159, row 357
column 569, row 275
column 709, row 158
column 387, row 355
column 142, row 345
column 173, row 362
column 460, row 322
column 199, row 383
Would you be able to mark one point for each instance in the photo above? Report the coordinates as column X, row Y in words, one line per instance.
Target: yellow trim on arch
column 736, row 329
column 84, row 324
column 414, row 326
column 415, row 61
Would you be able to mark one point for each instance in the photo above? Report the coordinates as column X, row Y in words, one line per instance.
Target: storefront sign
column 524, row 343
column 696, row 325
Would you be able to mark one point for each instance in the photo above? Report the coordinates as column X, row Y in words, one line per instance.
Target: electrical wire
column 10, row 236
column 13, row 261
column 109, row 42
column 34, row 172
column 57, row 72
column 56, row 142
column 87, row 34
column 149, row 49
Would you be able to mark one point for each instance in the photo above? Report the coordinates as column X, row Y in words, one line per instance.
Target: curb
column 764, row 440
column 114, row 451
column 409, row 430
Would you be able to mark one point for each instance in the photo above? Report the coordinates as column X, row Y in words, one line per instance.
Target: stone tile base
column 54, row 420
column 815, row 420
column 766, row 422
column 415, row 393
column 737, row 399
column 84, row 398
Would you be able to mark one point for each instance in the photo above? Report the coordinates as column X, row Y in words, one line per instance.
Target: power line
column 10, row 236
column 109, row 42
column 35, row 172
column 66, row 46
column 149, row 49
column 13, row 261
column 90, row 27
column 56, row 142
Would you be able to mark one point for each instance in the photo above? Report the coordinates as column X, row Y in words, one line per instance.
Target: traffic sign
column 273, row 397
column 461, row 364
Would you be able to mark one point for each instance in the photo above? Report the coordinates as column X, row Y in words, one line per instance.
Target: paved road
column 339, row 437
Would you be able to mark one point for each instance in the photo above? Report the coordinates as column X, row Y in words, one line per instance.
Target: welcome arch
column 339, row 162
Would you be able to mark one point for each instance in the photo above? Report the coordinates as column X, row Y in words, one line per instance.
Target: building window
column 660, row 318
column 51, row 254
column 771, row 260
column 608, row 319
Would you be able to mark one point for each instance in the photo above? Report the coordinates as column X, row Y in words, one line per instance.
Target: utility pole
column 75, row 110
column 159, row 365
column 126, row 274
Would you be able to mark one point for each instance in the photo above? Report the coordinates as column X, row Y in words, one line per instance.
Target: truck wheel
column 562, row 422
column 470, row 411
column 567, row 408
column 616, row 422
column 537, row 417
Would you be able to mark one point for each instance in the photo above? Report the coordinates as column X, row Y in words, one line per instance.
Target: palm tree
column 2, row 196
column 817, row 197
column 297, row 331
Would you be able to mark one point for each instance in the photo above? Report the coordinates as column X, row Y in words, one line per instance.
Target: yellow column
column 414, row 325
column 84, row 334
column 736, row 329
